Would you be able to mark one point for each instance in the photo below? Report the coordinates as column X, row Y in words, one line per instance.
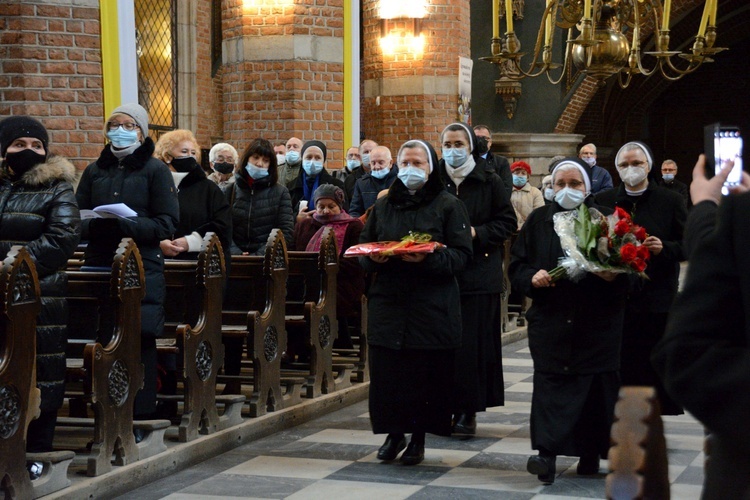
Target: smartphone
column 302, row 206
column 723, row 143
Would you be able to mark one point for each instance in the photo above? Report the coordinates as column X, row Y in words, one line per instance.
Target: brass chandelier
column 608, row 43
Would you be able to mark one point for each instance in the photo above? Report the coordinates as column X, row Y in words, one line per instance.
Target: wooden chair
column 638, row 454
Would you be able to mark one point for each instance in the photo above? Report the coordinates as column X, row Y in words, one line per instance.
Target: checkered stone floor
column 334, row 457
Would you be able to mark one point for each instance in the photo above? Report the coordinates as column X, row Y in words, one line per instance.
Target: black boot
column 465, row 423
column 393, row 445
column 543, row 466
column 414, row 453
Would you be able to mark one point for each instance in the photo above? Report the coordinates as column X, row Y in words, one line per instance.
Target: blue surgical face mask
column 380, row 174
column 353, row 164
column 455, row 157
column 549, row 194
column 412, row 177
column 667, row 177
column 256, row 172
column 292, row 157
column 519, row 180
column 122, row 138
column 366, row 159
column 312, row 168
column 569, row 198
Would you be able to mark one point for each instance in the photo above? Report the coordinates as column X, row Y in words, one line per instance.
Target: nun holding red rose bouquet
column 593, row 242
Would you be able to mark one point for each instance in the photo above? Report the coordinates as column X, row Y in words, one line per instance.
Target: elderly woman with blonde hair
column 203, row 207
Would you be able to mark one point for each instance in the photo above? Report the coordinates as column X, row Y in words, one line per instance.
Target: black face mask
column 184, row 165
column 23, row 161
column 224, row 168
column 482, row 145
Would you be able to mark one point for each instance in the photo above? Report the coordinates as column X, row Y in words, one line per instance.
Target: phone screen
column 728, row 146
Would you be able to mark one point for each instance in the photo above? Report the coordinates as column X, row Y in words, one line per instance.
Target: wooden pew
column 105, row 312
column 311, row 305
column 254, row 310
column 638, row 454
column 193, row 309
column 19, row 396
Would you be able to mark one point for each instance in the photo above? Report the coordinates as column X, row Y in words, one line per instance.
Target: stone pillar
column 535, row 149
column 283, row 72
column 409, row 95
column 51, row 70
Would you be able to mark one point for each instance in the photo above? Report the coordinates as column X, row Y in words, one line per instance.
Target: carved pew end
column 55, row 473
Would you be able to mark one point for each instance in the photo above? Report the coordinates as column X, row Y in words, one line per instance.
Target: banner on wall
column 464, row 89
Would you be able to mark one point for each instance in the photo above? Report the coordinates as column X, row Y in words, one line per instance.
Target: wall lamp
column 401, row 26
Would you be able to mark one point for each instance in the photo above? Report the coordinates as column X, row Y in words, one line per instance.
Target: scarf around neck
column 339, row 222
column 458, row 174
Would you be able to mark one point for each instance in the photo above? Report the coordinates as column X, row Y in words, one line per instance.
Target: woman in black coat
column 414, row 311
column 258, row 203
column 479, row 363
column 126, row 172
column 574, row 336
column 203, row 207
column 312, row 174
column 663, row 214
column 38, row 210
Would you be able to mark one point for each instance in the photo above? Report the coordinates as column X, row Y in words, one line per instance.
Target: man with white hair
column 223, row 160
column 600, row 178
column 381, row 176
column 668, row 180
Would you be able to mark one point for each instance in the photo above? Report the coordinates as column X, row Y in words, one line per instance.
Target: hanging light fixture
column 608, row 42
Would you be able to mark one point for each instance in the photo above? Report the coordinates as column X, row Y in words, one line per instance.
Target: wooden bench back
column 106, row 306
column 19, row 396
column 255, row 300
column 638, row 454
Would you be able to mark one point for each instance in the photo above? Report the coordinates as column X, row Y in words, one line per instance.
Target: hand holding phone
column 723, row 144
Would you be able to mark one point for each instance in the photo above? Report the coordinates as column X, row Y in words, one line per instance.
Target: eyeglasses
column 111, row 126
column 635, row 163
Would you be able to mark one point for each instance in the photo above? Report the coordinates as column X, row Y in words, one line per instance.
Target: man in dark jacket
column 496, row 163
column 704, row 357
column 126, row 172
column 381, row 176
column 668, row 180
column 38, row 210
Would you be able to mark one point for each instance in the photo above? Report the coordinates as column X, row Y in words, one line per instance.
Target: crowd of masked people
column 434, row 327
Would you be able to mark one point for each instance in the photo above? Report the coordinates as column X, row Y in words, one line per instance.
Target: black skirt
column 479, row 361
column 408, row 390
column 572, row 414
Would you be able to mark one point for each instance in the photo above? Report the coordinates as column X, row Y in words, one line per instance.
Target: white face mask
column 632, row 176
column 280, row 159
column 590, row 160
column 569, row 198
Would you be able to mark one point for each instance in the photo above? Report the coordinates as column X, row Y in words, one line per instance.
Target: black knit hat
column 316, row 144
column 14, row 127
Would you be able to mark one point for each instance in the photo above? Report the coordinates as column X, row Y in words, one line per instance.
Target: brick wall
column 51, row 69
column 280, row 95
column 210, row 123
column 393, row 119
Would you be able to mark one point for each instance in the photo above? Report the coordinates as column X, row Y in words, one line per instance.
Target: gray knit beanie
column 137, row 113
column 331, row 192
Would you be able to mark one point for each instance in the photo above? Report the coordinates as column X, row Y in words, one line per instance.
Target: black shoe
column 543, row 467
column 414, row 454
column 35, row 469
column 393, row 445
column 588, row 466
column 466, row 423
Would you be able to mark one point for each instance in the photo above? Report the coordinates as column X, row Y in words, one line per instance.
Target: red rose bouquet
column 593, row 242
column 409, row 244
